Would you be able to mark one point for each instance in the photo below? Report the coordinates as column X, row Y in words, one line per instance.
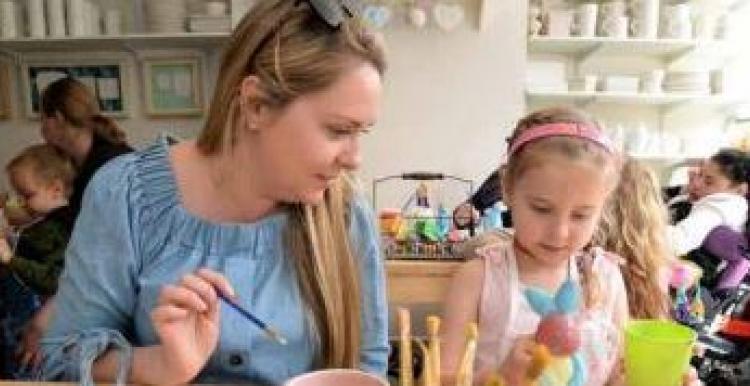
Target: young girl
column 632, row 227
column 560, row 171
column 43, row 177
column 721, row 202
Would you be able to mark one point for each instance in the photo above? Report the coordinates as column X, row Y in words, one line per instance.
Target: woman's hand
column 186, row 320
column 519, row 359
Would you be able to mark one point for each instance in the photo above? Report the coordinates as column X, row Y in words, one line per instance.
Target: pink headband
column 561, row 129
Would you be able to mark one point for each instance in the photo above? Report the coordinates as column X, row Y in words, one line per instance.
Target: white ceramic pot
column 8, row 26
column 336, row 377
column 586, row 19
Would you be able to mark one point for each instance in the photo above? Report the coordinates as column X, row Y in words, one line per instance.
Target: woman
column 258, row 208
column 73, row 123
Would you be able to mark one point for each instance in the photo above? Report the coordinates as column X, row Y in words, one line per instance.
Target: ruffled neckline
column 156, row 188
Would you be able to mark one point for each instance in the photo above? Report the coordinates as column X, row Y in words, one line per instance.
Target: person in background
column 29, row 269
column 73, row 123
column 633, row 227
column 486, row 196
column 680, row 199
column 720, row 201
column 633, row 232
column 260, row 209
column 560, row 171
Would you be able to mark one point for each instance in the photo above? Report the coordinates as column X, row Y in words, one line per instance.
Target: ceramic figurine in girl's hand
column 558, row 335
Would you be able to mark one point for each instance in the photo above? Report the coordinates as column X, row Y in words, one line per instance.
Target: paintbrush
column 270, row 331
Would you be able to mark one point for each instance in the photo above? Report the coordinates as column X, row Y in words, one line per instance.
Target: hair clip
column 334, row 12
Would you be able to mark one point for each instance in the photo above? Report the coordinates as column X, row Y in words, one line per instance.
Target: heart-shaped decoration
column 417, row 17
column 448, row 16
column 377, row 15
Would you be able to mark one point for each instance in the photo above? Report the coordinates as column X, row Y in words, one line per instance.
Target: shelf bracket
column 678, row 57
column 12, row 56
column 130, row 49
column 670, row 108
column 588, row 53
column 585, row 103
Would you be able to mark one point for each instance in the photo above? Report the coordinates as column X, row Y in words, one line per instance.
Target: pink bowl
column 336, row 377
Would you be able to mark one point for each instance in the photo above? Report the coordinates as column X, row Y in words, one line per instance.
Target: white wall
column 448, row 98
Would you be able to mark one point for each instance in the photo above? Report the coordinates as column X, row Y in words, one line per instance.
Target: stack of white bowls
column 165, row 16
column 691, row 82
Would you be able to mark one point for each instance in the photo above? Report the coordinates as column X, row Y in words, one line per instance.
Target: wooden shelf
column 666, row 157
column 578, row 46
column 628, row 98
column 106, row 42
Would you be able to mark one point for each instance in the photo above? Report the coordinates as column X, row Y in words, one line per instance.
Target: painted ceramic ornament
column 560, row 334
column 377, row 16
column 448, row 16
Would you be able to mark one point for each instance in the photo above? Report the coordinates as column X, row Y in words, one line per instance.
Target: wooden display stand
column 419, row 286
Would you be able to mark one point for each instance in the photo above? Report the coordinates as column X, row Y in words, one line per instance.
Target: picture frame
column 173, row 87
column 5, row 85
column 108, row 78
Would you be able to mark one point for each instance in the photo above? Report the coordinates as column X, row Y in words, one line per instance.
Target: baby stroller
column 725, row 333
column 725, row 340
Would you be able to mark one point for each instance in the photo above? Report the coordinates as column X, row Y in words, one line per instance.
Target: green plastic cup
column 657, row 353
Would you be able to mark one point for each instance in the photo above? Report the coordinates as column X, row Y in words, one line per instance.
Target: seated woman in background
column 73, row 123
column 29, row 268
column 680, row 199
column 721, row 201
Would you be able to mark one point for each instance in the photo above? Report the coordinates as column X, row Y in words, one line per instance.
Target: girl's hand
column 518, row 361
column 691, row 378
column 186, row 320
column 618, row 377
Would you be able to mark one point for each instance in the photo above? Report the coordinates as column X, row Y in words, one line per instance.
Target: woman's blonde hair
column 293, row 52
column 537, row 153
column 73, row 101
column 46, row 164
column 634, row 226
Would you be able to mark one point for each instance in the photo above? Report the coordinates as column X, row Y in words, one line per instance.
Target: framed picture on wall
column 173, row 86
column 107, row 78
column 5, row 84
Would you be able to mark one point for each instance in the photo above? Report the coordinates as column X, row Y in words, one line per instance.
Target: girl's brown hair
column 634, row 226
column 46, row 164
column 293, row 52
column 538, row 151
column 76, row 104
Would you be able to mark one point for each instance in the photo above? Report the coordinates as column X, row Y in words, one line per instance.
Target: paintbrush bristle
column 275, row 335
